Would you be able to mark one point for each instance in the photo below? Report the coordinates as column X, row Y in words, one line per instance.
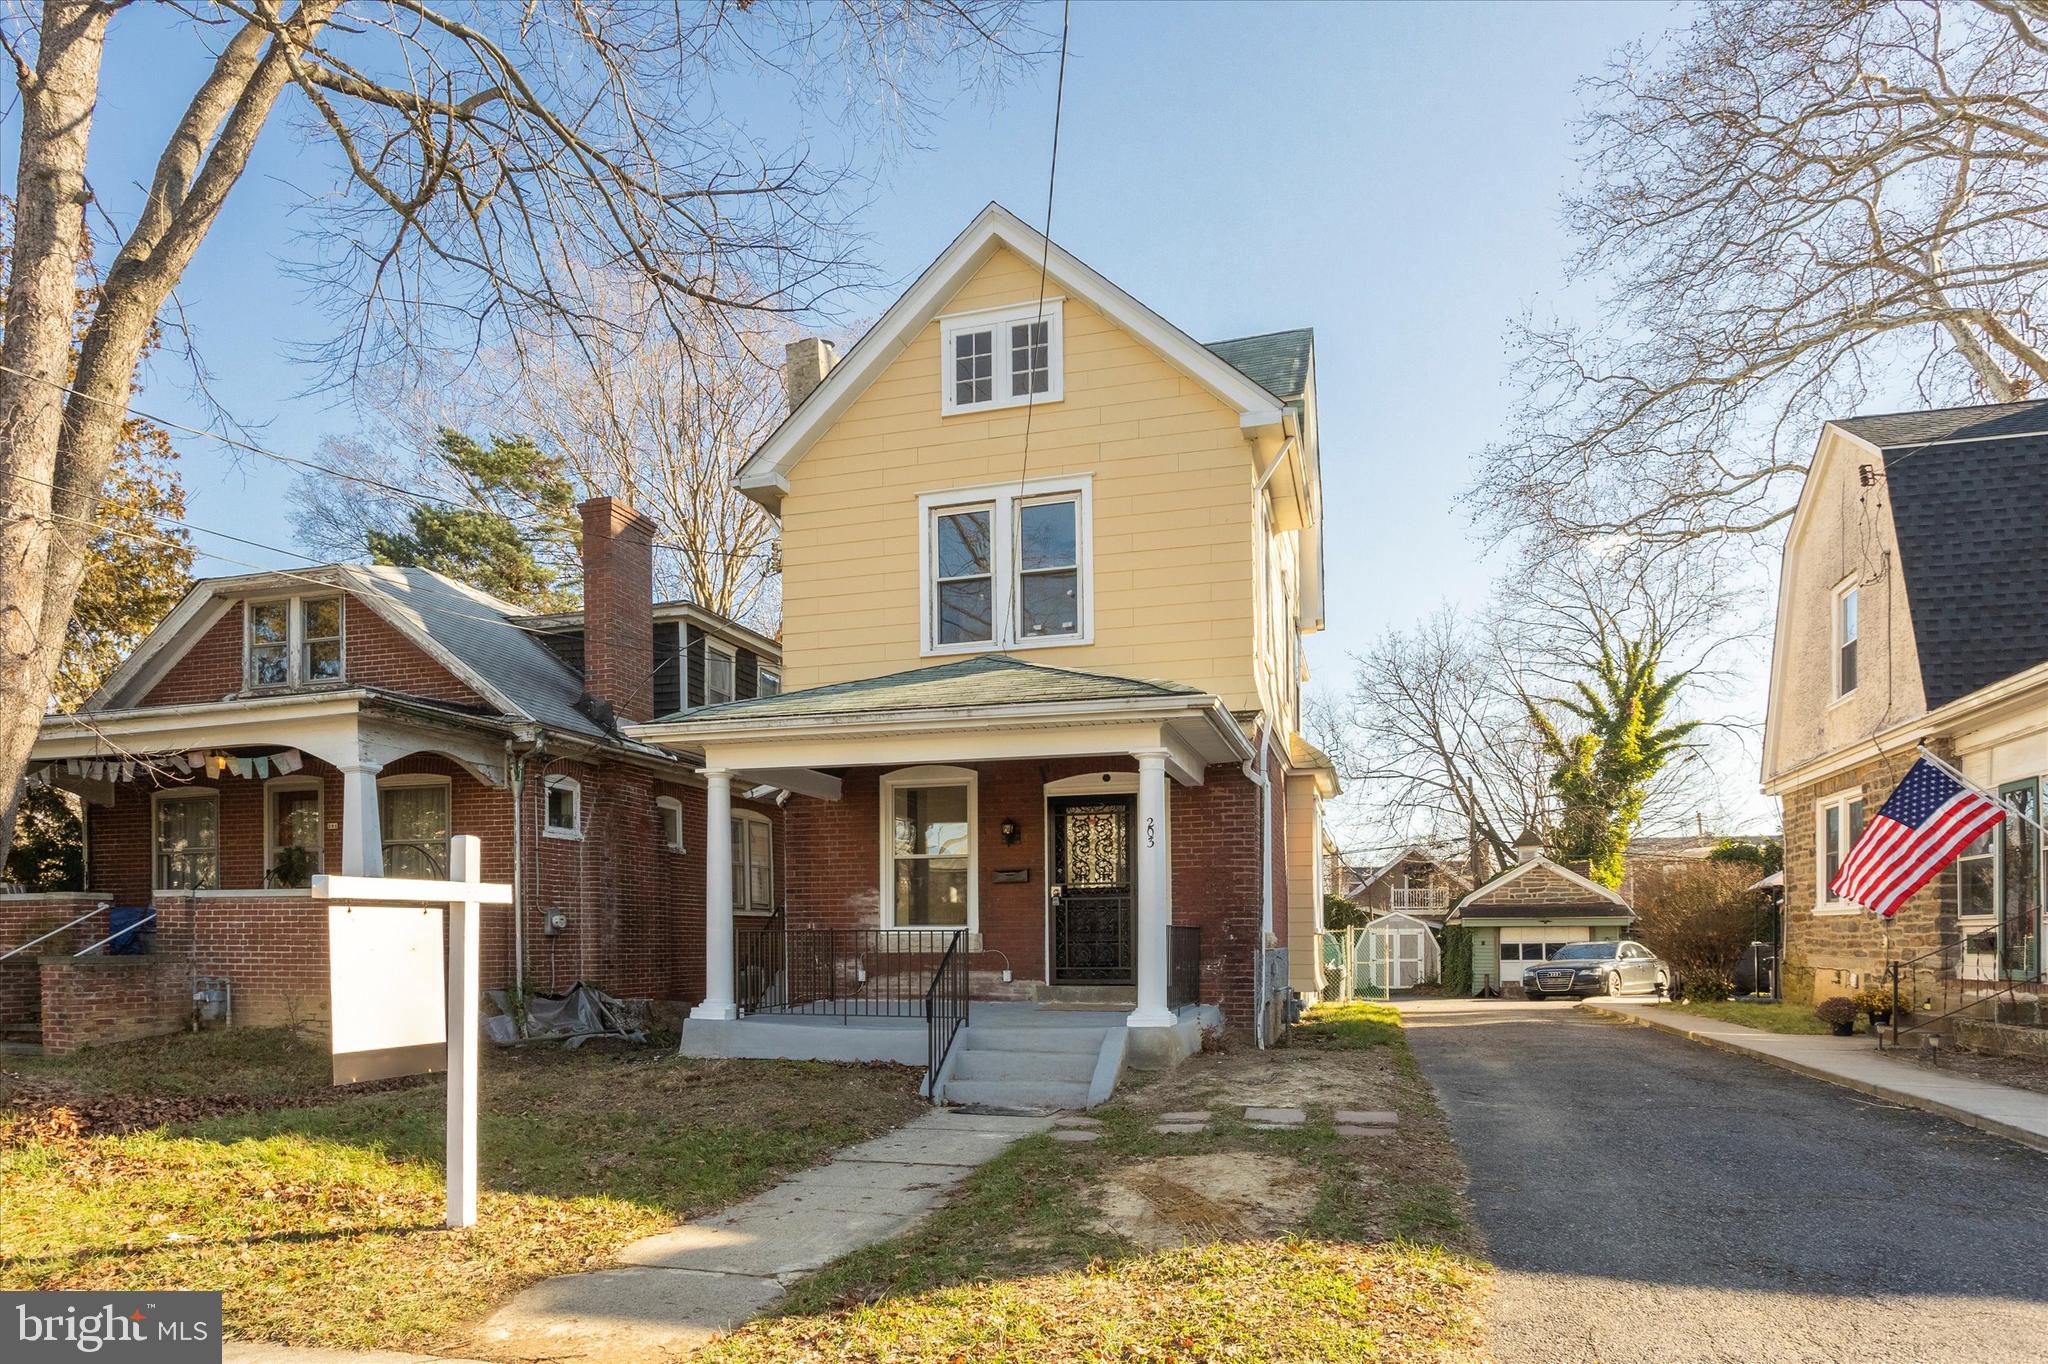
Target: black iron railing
column 1183, row 965
column 945, row 1010
column 1938, row 985
column 839, row 972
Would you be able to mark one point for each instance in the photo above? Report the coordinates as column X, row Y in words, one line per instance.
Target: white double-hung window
column 1837, row 824
column 290, row 641
column 1006, row 567
column 1002, row 357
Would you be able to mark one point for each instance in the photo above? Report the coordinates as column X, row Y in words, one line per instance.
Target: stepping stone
column 1280, row 1117
column 1179, row 1129
column 1074, row 1134
column 1191, row 1115
column 1366, row 1117
column 1346, row 1129
column 1077, row 1122
column 1274, row 1126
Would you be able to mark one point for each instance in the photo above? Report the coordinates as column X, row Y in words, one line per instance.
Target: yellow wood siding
column 1174, row 581
column 1304, row 888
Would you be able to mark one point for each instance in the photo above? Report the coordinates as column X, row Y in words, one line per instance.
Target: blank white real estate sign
column 387, row 991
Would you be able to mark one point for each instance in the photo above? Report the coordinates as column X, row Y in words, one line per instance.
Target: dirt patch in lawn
column 1189, row 1200
column 1232, row 1078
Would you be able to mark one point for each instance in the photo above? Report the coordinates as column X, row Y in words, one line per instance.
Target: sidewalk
column 675, row 1290
column 2015, row 1114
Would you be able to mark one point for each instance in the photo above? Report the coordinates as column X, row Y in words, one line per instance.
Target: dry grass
column 1128, row 1249
column 322, row 1224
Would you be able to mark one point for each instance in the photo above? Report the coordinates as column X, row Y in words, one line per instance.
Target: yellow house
column 1047, row 566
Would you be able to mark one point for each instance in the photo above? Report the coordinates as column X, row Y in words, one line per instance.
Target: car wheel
column 1614, row 983
column 1664, row 984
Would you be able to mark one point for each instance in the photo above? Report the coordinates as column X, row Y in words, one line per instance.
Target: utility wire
column 298, row 461
column 1052, row 172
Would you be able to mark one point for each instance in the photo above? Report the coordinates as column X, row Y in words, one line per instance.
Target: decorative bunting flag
column 289, row 761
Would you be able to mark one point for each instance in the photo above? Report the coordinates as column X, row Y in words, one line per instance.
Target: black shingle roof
column 1972, row 526
column 1277, row 361
column 1890, row 430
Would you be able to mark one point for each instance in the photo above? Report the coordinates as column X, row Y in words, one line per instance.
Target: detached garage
column 1522, row 917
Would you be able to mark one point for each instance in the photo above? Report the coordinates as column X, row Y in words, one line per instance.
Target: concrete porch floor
column 899, row 1038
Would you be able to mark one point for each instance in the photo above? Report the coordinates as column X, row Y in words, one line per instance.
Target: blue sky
column 1386, row 174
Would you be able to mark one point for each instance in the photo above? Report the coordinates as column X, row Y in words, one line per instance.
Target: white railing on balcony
column 1408, row 899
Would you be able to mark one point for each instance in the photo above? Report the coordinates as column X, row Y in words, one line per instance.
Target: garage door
column 1522, row 948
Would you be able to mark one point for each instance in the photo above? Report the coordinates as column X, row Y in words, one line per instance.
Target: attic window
column 1002, row 357
column 289, row 641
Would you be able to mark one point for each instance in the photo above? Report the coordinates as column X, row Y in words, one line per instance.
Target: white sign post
column 463, row 895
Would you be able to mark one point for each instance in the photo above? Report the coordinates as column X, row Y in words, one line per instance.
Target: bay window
column 1002, row 357
column 1007, row 567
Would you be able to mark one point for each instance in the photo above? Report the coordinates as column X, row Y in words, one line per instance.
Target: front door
column 1093, row 936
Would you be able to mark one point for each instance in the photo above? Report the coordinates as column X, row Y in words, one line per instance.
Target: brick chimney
column 618, row 607
column 805, row 364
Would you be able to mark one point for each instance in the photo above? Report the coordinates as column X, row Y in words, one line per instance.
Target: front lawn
column 1228, row 1243
column 1787, row 1018
column 322, row 1222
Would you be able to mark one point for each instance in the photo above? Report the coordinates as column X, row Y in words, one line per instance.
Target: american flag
column 1928, row 820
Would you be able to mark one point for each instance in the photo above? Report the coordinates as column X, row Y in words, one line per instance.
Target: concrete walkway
column 675, row 1290
column 2016, row 1114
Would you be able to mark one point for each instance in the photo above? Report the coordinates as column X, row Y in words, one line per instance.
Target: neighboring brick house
column 352, row 719
column 1047, row 567
column 1520, row 918
column 1909, row 613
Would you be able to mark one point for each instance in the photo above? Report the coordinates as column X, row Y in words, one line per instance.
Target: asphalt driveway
column 1648, row 1198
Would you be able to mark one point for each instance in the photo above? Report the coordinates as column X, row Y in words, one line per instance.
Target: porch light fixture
column 1009, row 830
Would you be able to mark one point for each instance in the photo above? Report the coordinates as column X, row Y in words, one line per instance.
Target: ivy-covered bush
column 1455, row 967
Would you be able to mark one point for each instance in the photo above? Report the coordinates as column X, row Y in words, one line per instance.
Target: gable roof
column 985, row 680
column 469, row 632
column 1413, row 850
column 1278, row 362
column 1582, row 898
column 1985, row 421
column 765, row 474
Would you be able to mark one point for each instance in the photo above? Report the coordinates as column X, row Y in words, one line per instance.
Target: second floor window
column 719, row 673
column 769, row 683
column 1005, row 568
column 293, row 640
column 1847, row 627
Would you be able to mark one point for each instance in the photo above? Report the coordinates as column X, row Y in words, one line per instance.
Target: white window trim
column 557, row 782
column 1004, row 501
column 270, row 844
column 295, row 641
column 1835, row 641
column 1822, row 904
column 996, row 321
column 679, row 843
column 741, row 819
column 416, row 779
column 915, row 777
column 732, row 662
column 156, row 799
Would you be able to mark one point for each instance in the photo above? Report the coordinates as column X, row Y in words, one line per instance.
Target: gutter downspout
column 515, row 771
column 1255, row 772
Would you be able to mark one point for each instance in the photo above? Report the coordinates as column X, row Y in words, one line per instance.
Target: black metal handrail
column 945, row 1010
column 1183, row 965
column 1952, row 994
column 837, row 972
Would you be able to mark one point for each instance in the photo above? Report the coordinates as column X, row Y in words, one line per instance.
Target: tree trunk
column 35, row 362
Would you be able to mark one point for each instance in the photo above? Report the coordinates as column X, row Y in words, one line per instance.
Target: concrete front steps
column 1041, row 1066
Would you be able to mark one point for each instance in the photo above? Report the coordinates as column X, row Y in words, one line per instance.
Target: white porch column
column 1155, row 893
column 362, row 830
column 718, row 995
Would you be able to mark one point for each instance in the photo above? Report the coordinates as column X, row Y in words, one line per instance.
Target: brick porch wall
column 24, row 918
column 90, row 1000
column 833, row 861
column 1830, row 954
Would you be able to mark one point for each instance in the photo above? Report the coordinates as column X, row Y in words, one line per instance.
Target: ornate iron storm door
column 1093, row 933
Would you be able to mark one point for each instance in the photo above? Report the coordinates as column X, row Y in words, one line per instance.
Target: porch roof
column 984, row 708
column 982, row 681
